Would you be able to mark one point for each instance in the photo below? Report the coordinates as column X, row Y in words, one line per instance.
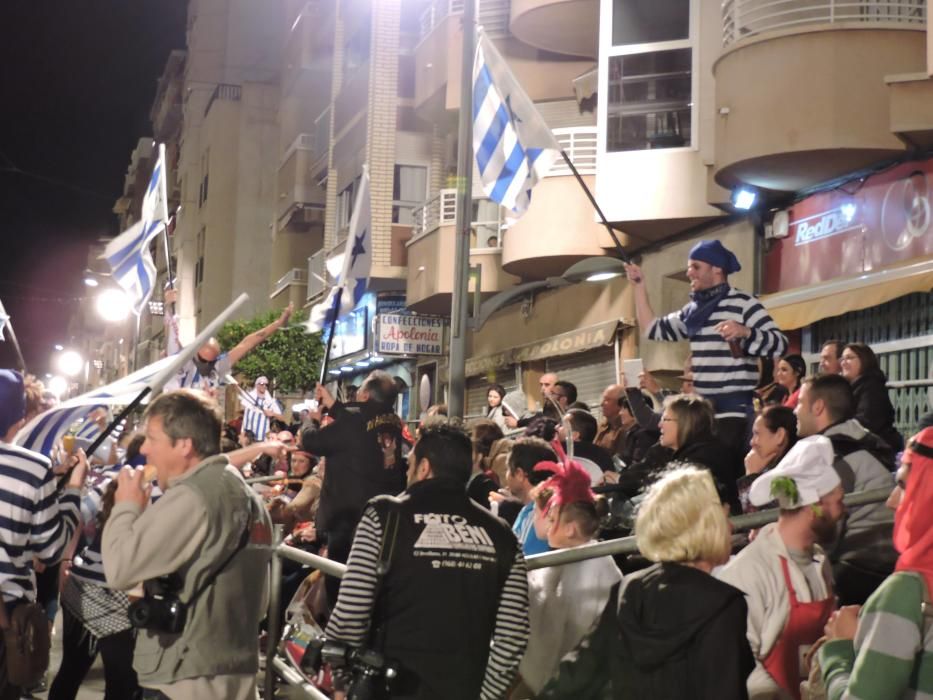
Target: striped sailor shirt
column 254, row 417
column 726, row 381
column 35, row 520
column 350, row 621
column 88, row 563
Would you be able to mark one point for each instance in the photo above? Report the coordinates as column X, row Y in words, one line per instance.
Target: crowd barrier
column 276, row 666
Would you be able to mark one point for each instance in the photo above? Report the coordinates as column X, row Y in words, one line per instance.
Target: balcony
column 568, row 27
column 437, row 59
column 559, row 227
column 317, row 278
column 431, row 252
column 296, row 183
column 292, row 284
column 784, row 133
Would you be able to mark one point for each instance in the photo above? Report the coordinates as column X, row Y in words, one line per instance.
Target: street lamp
column 113, row 305
column 70, row 363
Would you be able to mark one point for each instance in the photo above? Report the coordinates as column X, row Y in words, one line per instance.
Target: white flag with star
column 357, row 264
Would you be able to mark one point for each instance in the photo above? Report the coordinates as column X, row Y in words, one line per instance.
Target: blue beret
column 717, row 255
column 12, row 399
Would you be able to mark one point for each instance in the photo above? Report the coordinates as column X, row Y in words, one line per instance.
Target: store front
column 856, row 264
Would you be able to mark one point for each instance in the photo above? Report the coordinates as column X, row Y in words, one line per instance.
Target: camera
column 160, row 610
column 370, row 673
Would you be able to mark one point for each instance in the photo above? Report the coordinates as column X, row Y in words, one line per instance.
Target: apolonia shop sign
column 401, row 334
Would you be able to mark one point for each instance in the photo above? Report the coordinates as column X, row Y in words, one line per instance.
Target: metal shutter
column 591, row 372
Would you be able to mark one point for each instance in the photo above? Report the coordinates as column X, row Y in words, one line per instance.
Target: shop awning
column 574, row 341
column 800, row 307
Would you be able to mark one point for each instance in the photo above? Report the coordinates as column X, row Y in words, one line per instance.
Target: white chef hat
column 809, row 464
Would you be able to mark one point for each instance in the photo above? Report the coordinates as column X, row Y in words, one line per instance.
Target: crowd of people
column 164, row 545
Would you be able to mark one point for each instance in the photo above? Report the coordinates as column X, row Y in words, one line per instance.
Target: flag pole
column 615, row 239
column 159, row 380
column 8, row 327
column 164, row 188
column 459, row 302
column 335, row 313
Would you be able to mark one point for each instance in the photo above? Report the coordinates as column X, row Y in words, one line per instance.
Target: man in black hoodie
column 363, row 451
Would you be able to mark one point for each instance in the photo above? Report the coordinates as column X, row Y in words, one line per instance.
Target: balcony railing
column 580, row 144
column 746, row 18
column 493, row 15
column 294, row 276
column 318, row 280
column 223, row 91
column 440, row 210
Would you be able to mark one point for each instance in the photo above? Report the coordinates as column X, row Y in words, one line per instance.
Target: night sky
column 76, row 86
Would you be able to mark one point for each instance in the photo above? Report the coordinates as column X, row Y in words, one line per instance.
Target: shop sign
column 402, row 334
column 854, row 229
column 561, row 344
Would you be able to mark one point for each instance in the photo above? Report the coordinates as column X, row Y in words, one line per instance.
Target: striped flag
column 356, row 264
column 513, row 145
column 42, row 432
column 128, row 254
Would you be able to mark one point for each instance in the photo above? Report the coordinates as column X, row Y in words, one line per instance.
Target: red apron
column 804, row 626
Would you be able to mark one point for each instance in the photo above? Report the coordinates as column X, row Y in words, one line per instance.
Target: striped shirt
column 254, row 417
column 726, row 381
column 892, row 653
column 35, row 520
column 190, row 377
column 88, row 564
column 350, row 621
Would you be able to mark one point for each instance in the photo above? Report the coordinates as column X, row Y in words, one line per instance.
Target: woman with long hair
column 672, row 630
column 774, row 432
column 789, row 372
column 495, row 410
column 873, row 408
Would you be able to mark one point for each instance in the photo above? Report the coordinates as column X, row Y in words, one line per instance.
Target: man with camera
column 435, row 597
column 201, row 552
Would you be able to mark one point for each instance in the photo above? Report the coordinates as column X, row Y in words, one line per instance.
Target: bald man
column 211, row 364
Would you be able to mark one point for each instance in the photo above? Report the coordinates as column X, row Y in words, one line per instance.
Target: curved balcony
column 559, row 227
column 568, row 27
column 431, row 253
column 800, row 87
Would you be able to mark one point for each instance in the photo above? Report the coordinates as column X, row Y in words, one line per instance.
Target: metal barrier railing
column 623, row 545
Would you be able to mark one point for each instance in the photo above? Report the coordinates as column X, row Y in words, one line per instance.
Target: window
column 202, row 189
column 345, row 199
column 409, row 189
column 199, row 265
column 356, row 50
column 649, row 21
column 650, row 69
column 649, row 100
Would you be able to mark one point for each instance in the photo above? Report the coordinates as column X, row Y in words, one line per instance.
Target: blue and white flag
column 355, row 267
column 513, row 145
column 42, row 432
column 128, row 254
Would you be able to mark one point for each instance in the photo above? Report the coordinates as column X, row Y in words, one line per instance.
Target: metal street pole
column 461, row 296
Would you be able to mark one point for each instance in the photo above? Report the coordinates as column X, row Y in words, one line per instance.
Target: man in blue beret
column 727, row 330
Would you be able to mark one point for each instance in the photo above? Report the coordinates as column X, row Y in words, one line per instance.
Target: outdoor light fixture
column 91, row 282
column 70, row 363
column 113, row 305
column 744, row 198
column 156, row 308
column 98, row 364
column 848, row 211
column 59, row 348
column 333, row 371
column 362, row 363
column 346, row 368
column 596, row 269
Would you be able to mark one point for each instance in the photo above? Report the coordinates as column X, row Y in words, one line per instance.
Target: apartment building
column 227, row 154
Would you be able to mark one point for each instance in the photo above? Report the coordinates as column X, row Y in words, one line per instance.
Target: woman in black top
column 873, row 408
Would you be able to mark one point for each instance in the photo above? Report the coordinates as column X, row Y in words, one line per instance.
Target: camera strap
column 244, row 539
